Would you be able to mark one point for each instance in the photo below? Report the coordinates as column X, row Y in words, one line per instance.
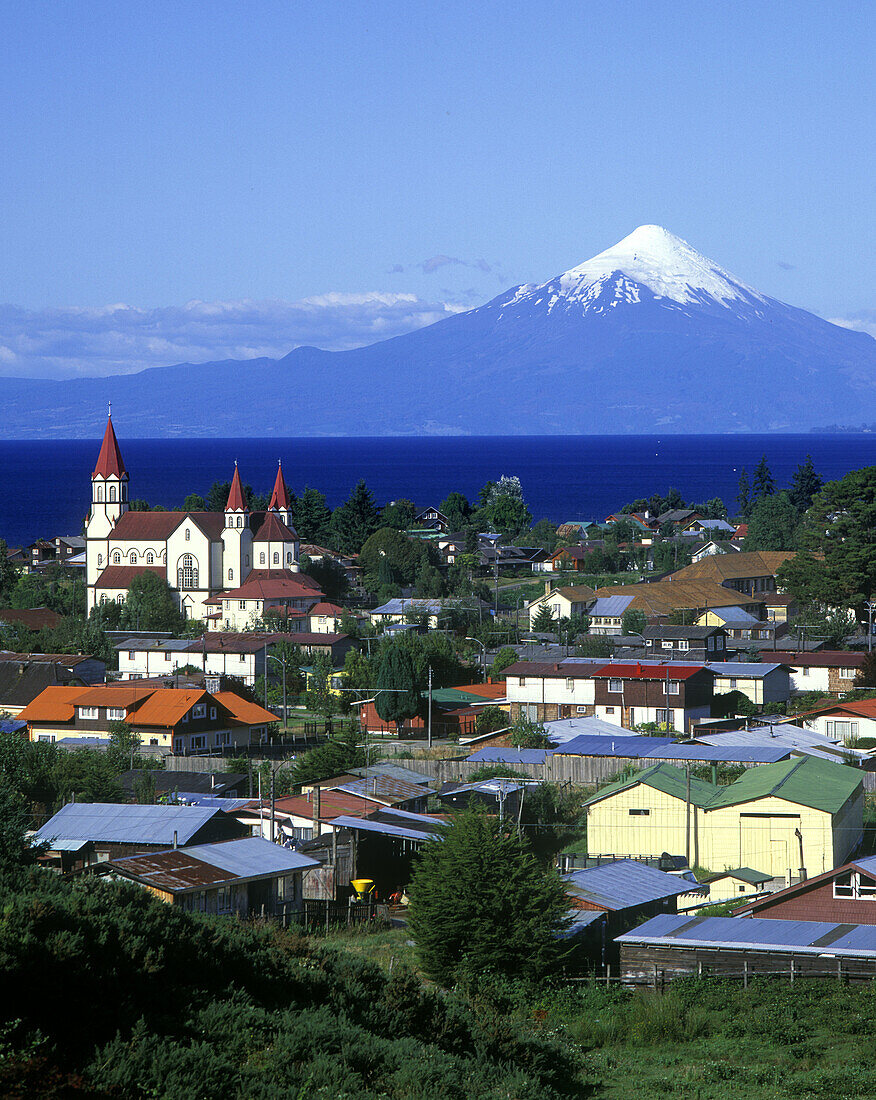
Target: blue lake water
column 46, row 484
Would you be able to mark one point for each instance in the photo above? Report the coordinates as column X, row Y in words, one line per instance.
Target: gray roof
column 565, row 729
column 509, row 756
column 797, row 937
column 671, row 632
column 744, row 670
column 610, row 606
column 393, row 771
column 744, row 874
column 735, row 616
column 407, row 827
column 624, row 884
column 124, row 824
column 251, row 855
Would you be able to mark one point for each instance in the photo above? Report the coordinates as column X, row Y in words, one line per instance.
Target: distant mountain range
column 648, row 336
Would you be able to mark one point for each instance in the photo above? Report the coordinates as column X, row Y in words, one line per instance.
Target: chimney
column 317, row 799
column 175, row 840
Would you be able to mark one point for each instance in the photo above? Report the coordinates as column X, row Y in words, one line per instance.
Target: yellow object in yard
column 363, row 887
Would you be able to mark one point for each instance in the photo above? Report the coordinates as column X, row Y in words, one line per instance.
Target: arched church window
column 288, row 559
column 187, row 572
column 117, row 558
column 276, row 558
column 112, row 492
column 231, row 574
column 150, row 557
column 100, row 559
column 104, row 598
column 261, row 559
column 120, row 598
column 188, row 535
column 240, row 521
column 100, row 494
column 133, row 557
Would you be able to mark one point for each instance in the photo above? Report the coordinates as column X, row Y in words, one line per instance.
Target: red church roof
column 236, row 499
column 274, row 530
column 280, row 495
column 109, row 461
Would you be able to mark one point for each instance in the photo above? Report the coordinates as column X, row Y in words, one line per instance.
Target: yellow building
column 762, row 820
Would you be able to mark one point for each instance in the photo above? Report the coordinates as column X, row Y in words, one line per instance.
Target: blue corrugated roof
column 599, row 745
column 751, row 670
column 194, row 798
column 625, row 883
column 734, row 615
column 730, row 754
column 251, row 855
column 363, row 824
column 509, row 756
column 610, row 606
column 567, row 729
column 12, row 726
column 797, row 936
column 124, row 824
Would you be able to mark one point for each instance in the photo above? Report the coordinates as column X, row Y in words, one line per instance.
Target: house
column 709, row 528
column 237, row 654
column 732, row 885
column 23, row 676
column 669, row 946
column 749, row 572
column 325, row 618
column 183, row 720
column 760, row 682
column 780, row 607
column 659, row 599
column 711, row 547
column 454, row 712
column 521, row 559
column 798, row 741
column 564, row 602
column 607, row 613
column 249, row 877
column 347, row 562
column 432, row 517
column 300, row 817
column 846, row 895
column 843, row 721
column 399, row 610
column 676, row 517
column 742, row 626
column 797, row 816
column 386, row 790
column 828, row 670
column 35, row 618
column 201, row 555
column 576, row 530
column 570, row 558
column 276, row 593
column 499, row 796
column 84, row 833
column 179, row 785
column 615, row 896
column 689, row 643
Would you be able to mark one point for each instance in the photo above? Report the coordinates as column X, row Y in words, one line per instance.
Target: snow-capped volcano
column 650, row 260
column 648, row 336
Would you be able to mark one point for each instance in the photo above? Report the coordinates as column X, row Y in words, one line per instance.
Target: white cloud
column 122, row 339
column 865, row 321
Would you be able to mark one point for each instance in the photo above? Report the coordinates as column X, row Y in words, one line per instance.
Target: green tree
column 151, row 605
column 505, row 506
column 594, row 645
column 743, row 494
column 841, row 526
column 194, row 502
column 398, row 696
column 481, row 903
column 805, row 483
column 544, row 621
column 311, row 517
column 457, row 509
column 123, row 746
column 633, row 622
column 389, row 557
column 763, row 484
column 329, row 574
column 429, row 582
column 217, row 496
column 490, row 719
column 505, row 657
column 8, row 572
column 16, row 851
column 320, row 697
column 526, row 734
column 772, row 524
column 399, row 514
column 354, row 520
column 543, row 534
column 335, row 757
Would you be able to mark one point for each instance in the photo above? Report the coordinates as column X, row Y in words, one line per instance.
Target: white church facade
column 225, row 568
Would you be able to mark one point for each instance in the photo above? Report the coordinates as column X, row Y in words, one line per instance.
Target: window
column 261, row 559
column 100, row 559
column 610, row 710
column 570, row 684
column 167, row 656
column 223, row 899
column 741, row 889
column 133, row 557
column 120, row 598
column 672, row 687
column 199, row 742
column 187, row 572
column 649, row 642
column 243, row 657
column 523, row 681
column 213, row 713
column 854, row 884
column 241, row 605
column 100, row 494
column 223, row 738
column 639, row 813
column 231, row 574
column 199, row 711
column 88, row 712
column 130, row 654
column 666, row 717
column 732, row 682
column 615, row 685
column 227, row 604
column 288, row 559
column 842, row 730
column 117, row 558
column 115, row 714
column 683, row 643
column 276, row 558
column 112, row 492
column 188, row 535
column 666, row 645
column 847, row 673
column 150, row 558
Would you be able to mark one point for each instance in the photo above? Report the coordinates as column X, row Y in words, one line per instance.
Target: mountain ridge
column 648, row 335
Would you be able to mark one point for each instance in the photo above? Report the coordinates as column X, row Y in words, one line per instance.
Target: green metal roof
column 806, row 781
column 745, row 874
column 457, row 696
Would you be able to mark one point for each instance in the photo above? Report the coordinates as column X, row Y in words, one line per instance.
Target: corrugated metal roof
column 805, row 781
column 729, row 754
column 251, row 855
column 509, row 756
column 125, row 824
column 364, row 824
column 743, row 670
column 383, row 788
column 567, row 729
column 624, row 884
column 610, row 606
column 735, row 616
column 760, row 934
column 615, row 745
column 394, row 771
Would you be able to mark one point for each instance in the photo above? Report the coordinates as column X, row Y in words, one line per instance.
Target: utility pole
column 871, row 607
column 429, row 728
column 272, row 803
column 687, row 818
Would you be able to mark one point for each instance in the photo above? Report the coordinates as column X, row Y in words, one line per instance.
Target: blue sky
column 245, row 177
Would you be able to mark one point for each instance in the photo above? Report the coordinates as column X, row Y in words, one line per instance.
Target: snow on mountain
column 651, row 258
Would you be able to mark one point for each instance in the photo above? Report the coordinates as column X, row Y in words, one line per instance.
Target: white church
column 226, row 568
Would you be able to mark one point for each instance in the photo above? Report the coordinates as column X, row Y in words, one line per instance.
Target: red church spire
column 109, row 461
column 236, row 499
column 280, row 495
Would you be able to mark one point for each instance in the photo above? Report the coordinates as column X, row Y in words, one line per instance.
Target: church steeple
column 109, row 461
column 109, row 486
column 236, row 499
column 280, row 495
